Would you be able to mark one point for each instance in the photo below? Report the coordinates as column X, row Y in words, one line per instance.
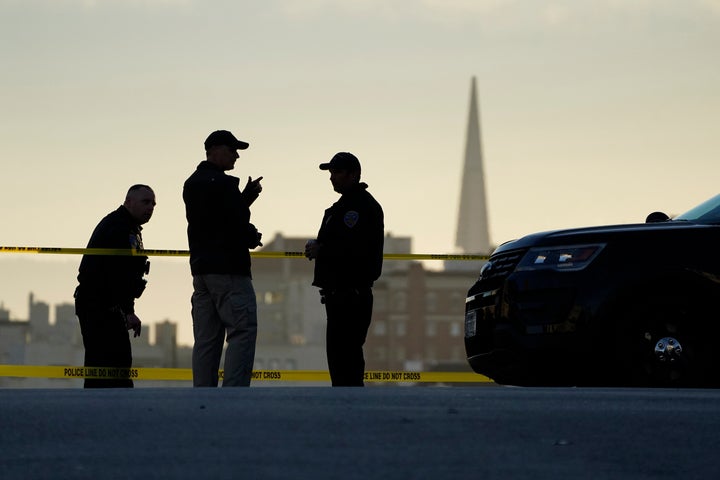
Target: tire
column 665, row 341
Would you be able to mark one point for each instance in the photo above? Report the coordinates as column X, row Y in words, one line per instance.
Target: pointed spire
column 473, row 235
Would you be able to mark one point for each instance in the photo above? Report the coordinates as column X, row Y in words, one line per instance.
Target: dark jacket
column 113, row 280
column 219, row 229
column 351, row 238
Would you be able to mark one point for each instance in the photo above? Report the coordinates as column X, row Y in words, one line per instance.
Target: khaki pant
column 223, row 307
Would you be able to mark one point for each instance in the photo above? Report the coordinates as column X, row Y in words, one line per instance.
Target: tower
column 473, row 235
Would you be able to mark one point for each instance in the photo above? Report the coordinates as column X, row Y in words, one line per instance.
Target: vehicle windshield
column 706, row 212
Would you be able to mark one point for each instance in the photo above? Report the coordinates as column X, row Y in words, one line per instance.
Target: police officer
column 109, row 285
column 348, row 255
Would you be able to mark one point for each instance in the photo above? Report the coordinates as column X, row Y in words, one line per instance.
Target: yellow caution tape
column 185, row 374
column 186, row 253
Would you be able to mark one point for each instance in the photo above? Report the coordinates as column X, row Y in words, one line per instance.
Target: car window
column 706, row 212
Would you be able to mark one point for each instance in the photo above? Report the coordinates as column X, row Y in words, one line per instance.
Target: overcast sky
column 592, row 111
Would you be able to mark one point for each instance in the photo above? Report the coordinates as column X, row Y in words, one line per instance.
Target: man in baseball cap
column 348, row 254
column 220, row 237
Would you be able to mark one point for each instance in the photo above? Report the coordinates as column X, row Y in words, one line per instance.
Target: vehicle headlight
column 570, row 257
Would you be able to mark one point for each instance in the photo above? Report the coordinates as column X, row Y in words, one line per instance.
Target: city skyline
column 417, row 321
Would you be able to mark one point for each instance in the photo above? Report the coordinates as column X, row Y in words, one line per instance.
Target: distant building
column 13, row 339
column 418, row 319
column 36, row 341
column 473, row 232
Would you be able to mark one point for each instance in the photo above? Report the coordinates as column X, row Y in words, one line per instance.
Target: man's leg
column 208, row 333
column 238, row 312
column 234, row 301
column 107, row 344
column 348, row 319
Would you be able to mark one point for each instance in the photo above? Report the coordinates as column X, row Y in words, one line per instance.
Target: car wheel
column 661, row 343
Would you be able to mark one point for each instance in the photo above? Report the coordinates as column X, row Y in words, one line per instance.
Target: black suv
column 620, row 305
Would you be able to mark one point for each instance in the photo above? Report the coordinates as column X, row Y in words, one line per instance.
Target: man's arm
column 252, row 190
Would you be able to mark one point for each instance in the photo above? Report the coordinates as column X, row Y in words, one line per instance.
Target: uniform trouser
column 348, row 318
column 223, row 304
column 107, row 343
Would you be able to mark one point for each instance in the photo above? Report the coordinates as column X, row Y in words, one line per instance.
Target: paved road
column 372, row 433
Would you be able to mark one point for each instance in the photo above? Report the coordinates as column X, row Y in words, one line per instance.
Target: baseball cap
column 223, row 137
column 342, row 161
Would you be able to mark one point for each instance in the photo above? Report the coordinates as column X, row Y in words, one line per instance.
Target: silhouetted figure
column 109, row 285
column 220, row 236
column 656, row 217
column 348, row 254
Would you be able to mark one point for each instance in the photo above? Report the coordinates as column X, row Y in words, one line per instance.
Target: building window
column 400, row 329
column 271, row 298
column 431, row 301
column 380, row 301
column 455, row 329
column 457, row 302
column 400, row 301
column 430, row 329
column 379, row 328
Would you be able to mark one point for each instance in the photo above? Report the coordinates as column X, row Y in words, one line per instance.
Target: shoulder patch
column 351, row 218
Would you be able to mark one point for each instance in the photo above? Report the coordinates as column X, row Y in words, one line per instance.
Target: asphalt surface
column 344, row 433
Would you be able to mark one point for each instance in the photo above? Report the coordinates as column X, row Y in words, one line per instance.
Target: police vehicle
column 619, row 305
